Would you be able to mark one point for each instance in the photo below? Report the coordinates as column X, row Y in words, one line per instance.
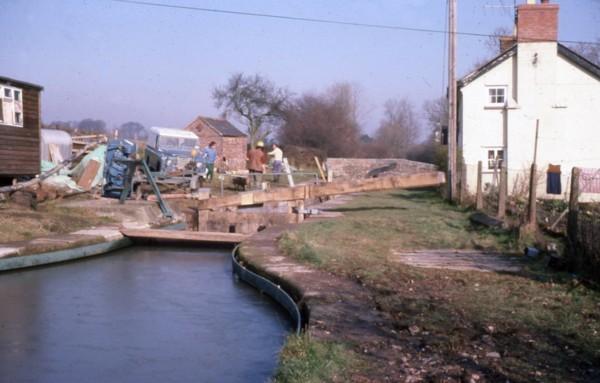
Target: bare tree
column 255, row 102
column 399, row 128
column 493, row 41
column 133, row 130
column 589, row 51
column 325, row 121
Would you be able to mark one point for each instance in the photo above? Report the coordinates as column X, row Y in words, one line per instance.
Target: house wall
column 20, row 146
column 543, row 86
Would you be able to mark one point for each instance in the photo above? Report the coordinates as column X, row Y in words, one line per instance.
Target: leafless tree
column 399, row 129
column 589, row 51
column 493, row 41
column 255, row 102
column 325, row 121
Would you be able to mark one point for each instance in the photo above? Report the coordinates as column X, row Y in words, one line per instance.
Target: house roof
column 12, row 81
column 222, row 127
column 487, row 66
column 579, row 60
column 571, row 56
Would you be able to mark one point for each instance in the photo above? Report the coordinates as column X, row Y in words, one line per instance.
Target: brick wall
column 359, row 167
column 233, row 148
column 537, row 22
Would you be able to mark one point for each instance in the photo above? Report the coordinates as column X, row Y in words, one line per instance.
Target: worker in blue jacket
column 210, row 156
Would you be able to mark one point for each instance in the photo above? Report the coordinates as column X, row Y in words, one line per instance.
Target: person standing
column 210, row 156
column 256, row 161
column 277, row 155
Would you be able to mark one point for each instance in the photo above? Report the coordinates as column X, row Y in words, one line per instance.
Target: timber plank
column 302, row 192
column 190, row 236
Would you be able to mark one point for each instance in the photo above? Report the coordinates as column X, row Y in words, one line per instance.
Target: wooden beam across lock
column 303, row 192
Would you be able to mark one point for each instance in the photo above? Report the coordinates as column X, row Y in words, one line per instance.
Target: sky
column 124, row 62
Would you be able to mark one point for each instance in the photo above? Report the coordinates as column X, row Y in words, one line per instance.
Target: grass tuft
column 309, row 361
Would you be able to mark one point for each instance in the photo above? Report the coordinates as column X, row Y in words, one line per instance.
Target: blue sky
column 122, row 62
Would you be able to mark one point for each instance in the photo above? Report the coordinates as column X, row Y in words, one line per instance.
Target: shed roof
column 222, row 127
column 19, row 83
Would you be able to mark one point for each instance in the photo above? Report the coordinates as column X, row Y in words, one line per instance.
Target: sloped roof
column 12, row 81
column 223, row 127
column 568, row 54
column 487, row 66
column 579, row 60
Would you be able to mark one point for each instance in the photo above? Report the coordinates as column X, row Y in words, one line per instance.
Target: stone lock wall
column 359, row 167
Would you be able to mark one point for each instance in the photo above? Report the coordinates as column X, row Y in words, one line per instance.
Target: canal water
column 140, row 314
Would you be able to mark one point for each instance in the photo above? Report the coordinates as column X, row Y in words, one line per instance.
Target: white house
column 534, row 78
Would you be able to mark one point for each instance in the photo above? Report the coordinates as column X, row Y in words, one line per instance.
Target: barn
column 231, row 142
column 19, row 129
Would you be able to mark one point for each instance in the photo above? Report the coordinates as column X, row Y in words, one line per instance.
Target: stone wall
column 359, row 167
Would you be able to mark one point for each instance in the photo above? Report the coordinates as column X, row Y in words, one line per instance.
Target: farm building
column 231, row 142
column 19, row 129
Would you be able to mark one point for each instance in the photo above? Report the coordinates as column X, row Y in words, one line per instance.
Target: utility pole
column 452, row 166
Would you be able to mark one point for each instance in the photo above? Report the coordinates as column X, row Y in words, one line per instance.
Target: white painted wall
column 542, row 85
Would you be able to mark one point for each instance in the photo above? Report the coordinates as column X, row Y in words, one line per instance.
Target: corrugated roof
column 173, row 132
column 223, row 127
column 12, row 81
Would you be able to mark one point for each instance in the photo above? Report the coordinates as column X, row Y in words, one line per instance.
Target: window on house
column 17, row 95
column 495, row 158
column 7, row 93
column 18, row 118
column 1, row 111
column 497, row 95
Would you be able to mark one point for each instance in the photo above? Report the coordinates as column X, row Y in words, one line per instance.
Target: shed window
column 497, row 95
column 11, row 106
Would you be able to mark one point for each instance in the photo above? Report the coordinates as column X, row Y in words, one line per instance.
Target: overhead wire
column 319, row 20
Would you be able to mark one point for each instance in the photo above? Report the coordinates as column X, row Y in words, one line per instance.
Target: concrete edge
column 32, row 260
column 265, row 285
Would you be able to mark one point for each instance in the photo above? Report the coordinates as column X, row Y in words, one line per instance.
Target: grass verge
column 534, row 325
column 19, row 223
column 309, row 361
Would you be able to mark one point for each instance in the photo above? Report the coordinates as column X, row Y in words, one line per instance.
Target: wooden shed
column 231, row 142
column 19, row 129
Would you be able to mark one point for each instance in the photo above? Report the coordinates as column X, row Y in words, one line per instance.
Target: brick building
column 231, row 142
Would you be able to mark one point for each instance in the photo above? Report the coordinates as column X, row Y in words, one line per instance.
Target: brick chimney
column 537, row 22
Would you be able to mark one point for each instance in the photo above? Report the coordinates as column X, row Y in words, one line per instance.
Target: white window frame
column 495, row 161
column 11, row 106
column 489, row 96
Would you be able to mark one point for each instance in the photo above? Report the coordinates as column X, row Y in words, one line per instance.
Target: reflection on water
column 137, row 315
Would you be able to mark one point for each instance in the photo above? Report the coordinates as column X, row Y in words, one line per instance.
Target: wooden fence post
column 502, row 193
column 479, row 192
column 572, row 225
column 532, row 216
